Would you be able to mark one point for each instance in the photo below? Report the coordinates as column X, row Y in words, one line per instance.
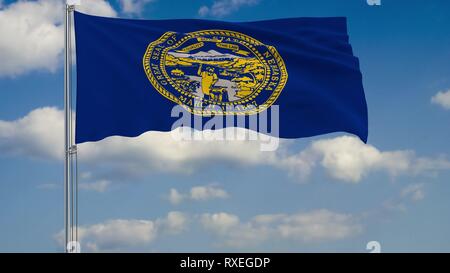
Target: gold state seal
column 215, row 71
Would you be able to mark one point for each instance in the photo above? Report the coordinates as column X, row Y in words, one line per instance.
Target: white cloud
column 414, row 192
column 126, row 234
column 31, row 34
column 348, row 159
column 159, row 151
column 175, row 197
column 197, row 193
column 89, row 182
column 411, row 193
column 314, row 226
column 85, row 175
column 133, row 6
column 40, row 134
column 139, row 234
column 175, row 223
column 430, row 165
column 207, row 192
column 115, row 235
column 318, row 225
column 98, row 186
column 97, row 7
column 442, row 98
column 221, row 8
column 219, row 222
column 394, row 205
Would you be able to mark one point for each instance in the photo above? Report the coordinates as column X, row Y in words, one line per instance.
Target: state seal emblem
column 215, row 71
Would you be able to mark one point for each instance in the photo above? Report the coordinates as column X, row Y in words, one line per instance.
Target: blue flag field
column 132, row 73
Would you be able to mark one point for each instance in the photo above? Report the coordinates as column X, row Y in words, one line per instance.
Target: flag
column 132, row 74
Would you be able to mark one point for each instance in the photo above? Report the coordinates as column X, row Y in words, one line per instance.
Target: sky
column 330, row 193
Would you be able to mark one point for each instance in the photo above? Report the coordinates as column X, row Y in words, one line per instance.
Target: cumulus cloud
column 117, row 234
column 32, row 34
column 348, row 159
column 126, row 234
column 175, row 197
column 315, row 226
column 40, row 134
column 306, row 227
column 197, row 193
column 133, row 6
column 221, row 8
column 219, row 222
column 175, row 223
column 442, row 98
column 97, row 7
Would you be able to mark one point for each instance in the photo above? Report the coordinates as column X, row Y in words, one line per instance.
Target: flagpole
column 70, row 209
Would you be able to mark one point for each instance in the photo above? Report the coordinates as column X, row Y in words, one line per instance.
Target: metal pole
column 68, row 194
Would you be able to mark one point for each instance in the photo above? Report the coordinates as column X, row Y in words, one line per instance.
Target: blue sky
column 327, row 193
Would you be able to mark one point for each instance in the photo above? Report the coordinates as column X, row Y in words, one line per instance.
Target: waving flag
column 131, row 74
